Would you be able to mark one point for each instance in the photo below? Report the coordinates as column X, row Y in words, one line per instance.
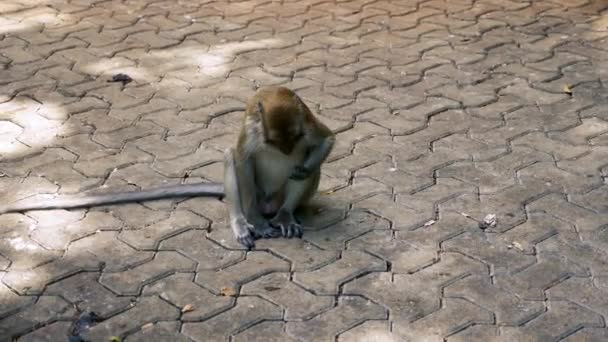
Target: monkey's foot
column 288, row 224
column 265, row 231
column 242, row 231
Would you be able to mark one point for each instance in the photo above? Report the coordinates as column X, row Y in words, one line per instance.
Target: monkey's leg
column 236, row 189
column 297, row 192
column 241, row 195
column 261, row 226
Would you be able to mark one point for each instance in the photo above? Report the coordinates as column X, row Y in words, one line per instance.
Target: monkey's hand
column 315, row 157
column 288, row 224
column 300, row 172
column 264, row 230
column 243, row 233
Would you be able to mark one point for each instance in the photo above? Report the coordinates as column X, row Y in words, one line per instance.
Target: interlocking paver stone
column 149, row 237
column 555, row 322
column 395, row 290
column 445, row 112
column 327, row 279
column 255, row 265
column 298, row 303
column 305, row 257
column 334, row 236
column 45, row 310
column 11, row 301
column 48, row 333
column 509, row 309
column 58, row 235
column 531, row 282
column 145, row 310
column 483, row 332
column 208, row 255
column 246, row 312
column 368, row 331
column 180, row 290
column 268, row 331
column 587, row 223
column 165, row 331
column 503, row 257
column 88, row 295
column 589, row 334
column 129, row 282
column 455, row 314
column 348, row 313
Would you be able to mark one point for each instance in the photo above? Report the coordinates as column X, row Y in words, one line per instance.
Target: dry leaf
column 271, row 288
column 227, row 292
column 328, row 192
column 518, row 245
column 465, row 215
column 188, row 308
column 147, row 326
column 490, row 220
column 567, row 89
column 430, row 223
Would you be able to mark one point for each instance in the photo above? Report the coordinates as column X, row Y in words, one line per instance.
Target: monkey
column 276, row 165
column 274, row 169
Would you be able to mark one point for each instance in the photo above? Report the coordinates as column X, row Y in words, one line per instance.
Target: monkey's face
column 284, row 140
column 283, row 129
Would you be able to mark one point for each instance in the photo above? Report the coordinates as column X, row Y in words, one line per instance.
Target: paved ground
column 445, row 112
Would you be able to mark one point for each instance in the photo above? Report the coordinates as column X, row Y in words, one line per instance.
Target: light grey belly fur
column 277, row 167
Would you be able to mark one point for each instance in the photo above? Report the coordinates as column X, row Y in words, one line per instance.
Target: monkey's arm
column 91, row 200
column 240, row 191
column 318, row 154
column 315, row 158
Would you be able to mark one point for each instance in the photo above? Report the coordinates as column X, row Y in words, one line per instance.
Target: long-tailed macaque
column 275, row 167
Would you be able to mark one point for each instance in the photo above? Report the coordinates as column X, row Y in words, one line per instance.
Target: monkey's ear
column 259, row 109
column 257, row 112
column 299, row 103
column 261, row 118
column 302, row 108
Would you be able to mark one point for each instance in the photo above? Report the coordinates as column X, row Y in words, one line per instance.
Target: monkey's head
column 283, row 121
column 282, row 129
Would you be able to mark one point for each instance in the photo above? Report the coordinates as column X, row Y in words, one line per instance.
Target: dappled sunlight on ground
column 29, row 125
column 38, row 244
column 601, row 24
column 213, row 61
column 15, row 19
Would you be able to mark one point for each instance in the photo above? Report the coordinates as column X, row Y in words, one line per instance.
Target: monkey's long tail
column 91, row 200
